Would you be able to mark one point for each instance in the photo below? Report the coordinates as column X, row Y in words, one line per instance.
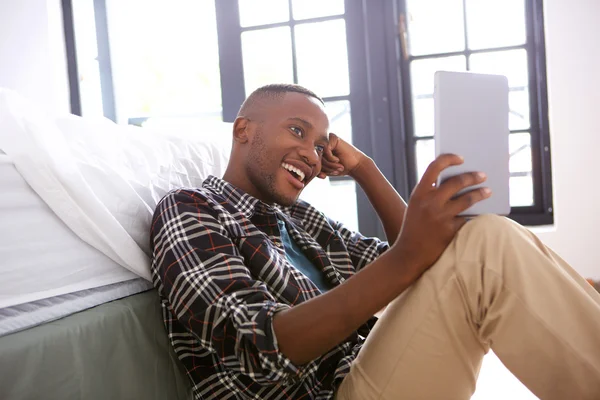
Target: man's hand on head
column 340, row 158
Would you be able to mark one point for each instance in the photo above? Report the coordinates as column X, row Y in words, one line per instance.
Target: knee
column 488, row 228
column 488, row 223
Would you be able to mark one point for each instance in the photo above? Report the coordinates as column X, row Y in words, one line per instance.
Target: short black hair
column 274, row 91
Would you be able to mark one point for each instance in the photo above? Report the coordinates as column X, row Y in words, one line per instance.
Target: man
column 266, row 298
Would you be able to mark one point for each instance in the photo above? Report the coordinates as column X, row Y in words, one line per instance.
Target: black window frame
column 71, row 53
column 381, row 109
column 367, row 101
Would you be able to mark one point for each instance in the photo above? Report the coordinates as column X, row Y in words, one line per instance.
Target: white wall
column 32, row 61
column 32, row 55
column 573, row 63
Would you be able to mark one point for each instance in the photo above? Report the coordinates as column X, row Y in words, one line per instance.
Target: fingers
column 432, row 173
column 325, row 172
column 466, row 200
column 328, row 156
column 328, row 153
column 455, row 184
column 333, row 140
column 331, row 165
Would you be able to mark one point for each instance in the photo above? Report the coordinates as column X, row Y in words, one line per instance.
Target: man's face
column 286, row 147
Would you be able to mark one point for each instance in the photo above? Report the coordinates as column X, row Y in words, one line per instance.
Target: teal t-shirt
column 297, row 258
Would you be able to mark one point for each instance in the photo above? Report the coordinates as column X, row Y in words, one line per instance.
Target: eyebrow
column 302, row 121
column 308, row 125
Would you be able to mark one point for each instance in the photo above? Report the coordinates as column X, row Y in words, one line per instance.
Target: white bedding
column 40, row 256
column 102, row 181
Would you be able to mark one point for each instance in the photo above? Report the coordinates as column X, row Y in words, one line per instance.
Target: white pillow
column 131, row 168
column 104, row 180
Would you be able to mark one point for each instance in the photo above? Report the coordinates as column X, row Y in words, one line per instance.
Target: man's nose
column 310, row 155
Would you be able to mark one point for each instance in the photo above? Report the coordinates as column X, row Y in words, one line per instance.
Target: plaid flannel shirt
column 221, row 273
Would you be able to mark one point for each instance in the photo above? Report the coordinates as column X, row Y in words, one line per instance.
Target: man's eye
column 320, row 149
column 297, row 131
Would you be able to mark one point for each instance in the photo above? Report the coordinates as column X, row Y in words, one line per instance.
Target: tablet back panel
column 471, row 120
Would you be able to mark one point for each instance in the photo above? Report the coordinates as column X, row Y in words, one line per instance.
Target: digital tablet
column 471, row 120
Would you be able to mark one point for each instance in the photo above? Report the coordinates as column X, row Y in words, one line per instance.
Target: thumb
column 333, row 142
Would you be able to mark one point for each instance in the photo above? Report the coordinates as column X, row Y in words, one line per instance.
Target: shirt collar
column 242, row 201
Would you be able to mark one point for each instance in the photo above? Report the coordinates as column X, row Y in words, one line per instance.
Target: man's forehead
column 301, row 106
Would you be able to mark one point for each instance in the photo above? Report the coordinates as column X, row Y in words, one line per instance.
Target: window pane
column 520, row 152
column 340, row 121
column 518, row 99
column 435, row 26
column 422, row 72
column 425, row 155
column 303, row 9
column 521, row 183
column 84, row 24
column 495, row 23
column 521, row 191
column 260, row 12
column 86, row 44
column 169, row 63
column 512, row 64
column 322, row 56
column 423, row 116
column 267, row 57
column 90, row 88
column 335, row 198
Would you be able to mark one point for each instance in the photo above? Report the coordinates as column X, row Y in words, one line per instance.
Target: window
column 372, row 62
column 164, row 64
column 292, row 41
column 489, row 36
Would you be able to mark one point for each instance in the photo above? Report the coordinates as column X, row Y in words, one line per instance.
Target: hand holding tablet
column 471, row 120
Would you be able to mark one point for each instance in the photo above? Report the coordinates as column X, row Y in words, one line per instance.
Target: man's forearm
column 385, row 199
column 309, row 330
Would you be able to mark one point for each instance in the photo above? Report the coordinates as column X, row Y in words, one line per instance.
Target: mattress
column 40, row 257
column 24, row 316
column 118, row 350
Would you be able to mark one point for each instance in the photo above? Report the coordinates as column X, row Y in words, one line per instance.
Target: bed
column 78, row 315
column 117, row 350
column 73, row 323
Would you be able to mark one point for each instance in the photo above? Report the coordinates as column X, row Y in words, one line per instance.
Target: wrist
column 399, row 270
column 363, row 168
column 412, row 263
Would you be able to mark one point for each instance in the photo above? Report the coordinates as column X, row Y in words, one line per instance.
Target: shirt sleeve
column 363, row 250
column 199, row 270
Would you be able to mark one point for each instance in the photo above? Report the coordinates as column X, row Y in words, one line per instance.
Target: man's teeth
column 294, row 169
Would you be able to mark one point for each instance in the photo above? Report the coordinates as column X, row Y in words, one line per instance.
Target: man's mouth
column 295, row 172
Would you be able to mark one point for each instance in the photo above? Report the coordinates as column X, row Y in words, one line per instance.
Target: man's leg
column 495, row 286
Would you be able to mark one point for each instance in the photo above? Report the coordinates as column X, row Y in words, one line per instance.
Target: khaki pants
column 496, row 286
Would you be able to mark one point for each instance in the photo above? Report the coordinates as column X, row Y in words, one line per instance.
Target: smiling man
column 264, row 297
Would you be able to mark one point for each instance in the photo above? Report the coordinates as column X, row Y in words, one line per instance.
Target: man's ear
column 241, row 130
